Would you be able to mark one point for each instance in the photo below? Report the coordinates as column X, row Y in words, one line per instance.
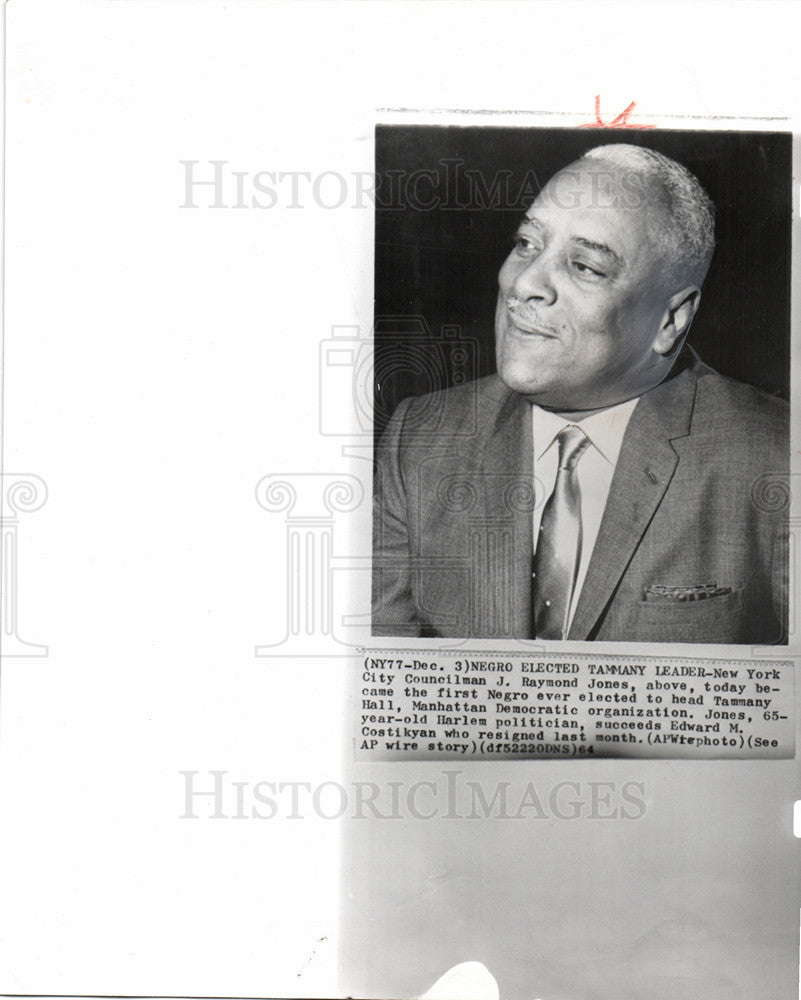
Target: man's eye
column 586, row 271
column 524, row 246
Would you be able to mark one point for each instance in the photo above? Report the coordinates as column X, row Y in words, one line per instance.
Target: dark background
column 439, row 246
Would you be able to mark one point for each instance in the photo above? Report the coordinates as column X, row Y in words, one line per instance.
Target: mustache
column 527, row 315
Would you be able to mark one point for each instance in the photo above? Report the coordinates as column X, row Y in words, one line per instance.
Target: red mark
column 621, row 121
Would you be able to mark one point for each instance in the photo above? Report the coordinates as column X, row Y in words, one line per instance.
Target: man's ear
column 679, row 313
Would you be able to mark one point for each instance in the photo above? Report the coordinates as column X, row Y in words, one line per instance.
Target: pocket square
column 701, row 592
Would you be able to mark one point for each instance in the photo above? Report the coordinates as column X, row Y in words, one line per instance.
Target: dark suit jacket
column 699, row 497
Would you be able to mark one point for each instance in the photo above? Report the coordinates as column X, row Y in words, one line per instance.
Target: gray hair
column 690, row 235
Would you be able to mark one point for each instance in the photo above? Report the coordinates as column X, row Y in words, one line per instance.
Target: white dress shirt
column 594, row 471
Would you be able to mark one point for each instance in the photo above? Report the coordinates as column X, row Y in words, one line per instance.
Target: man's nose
column 535, row 281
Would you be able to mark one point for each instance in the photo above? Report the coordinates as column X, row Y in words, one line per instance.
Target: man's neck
column 575, row 416
column 678, row 361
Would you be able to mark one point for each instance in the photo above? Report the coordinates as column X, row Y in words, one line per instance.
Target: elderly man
column 605, row 484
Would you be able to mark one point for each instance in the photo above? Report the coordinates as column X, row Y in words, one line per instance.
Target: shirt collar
column 604, row 429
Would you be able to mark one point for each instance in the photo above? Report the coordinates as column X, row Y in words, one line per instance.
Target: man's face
column 583, row 293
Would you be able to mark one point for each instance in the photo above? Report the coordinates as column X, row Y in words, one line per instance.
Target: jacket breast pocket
column 715, row 619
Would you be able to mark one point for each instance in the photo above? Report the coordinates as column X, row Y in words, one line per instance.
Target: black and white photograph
column 594, row 439
column 399, row 500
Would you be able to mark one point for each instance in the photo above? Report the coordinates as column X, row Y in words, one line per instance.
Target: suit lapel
column 644, row 469
column 502, row 545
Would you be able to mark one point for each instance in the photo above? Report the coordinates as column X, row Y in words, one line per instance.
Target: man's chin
column 534, row 385
column 548, row 395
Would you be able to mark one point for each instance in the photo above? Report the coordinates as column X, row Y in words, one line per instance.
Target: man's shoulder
column 471, row 405
column 458, row 397
column 736, row 408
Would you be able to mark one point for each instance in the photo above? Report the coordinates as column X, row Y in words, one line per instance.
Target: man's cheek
column 505, row 278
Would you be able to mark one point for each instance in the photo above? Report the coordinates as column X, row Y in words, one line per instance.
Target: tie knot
column 572, row 444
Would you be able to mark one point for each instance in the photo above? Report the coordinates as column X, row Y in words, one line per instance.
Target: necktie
column 559, row 544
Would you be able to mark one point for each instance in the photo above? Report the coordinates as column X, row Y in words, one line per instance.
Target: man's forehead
column 587, row 205
column 601, row 184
